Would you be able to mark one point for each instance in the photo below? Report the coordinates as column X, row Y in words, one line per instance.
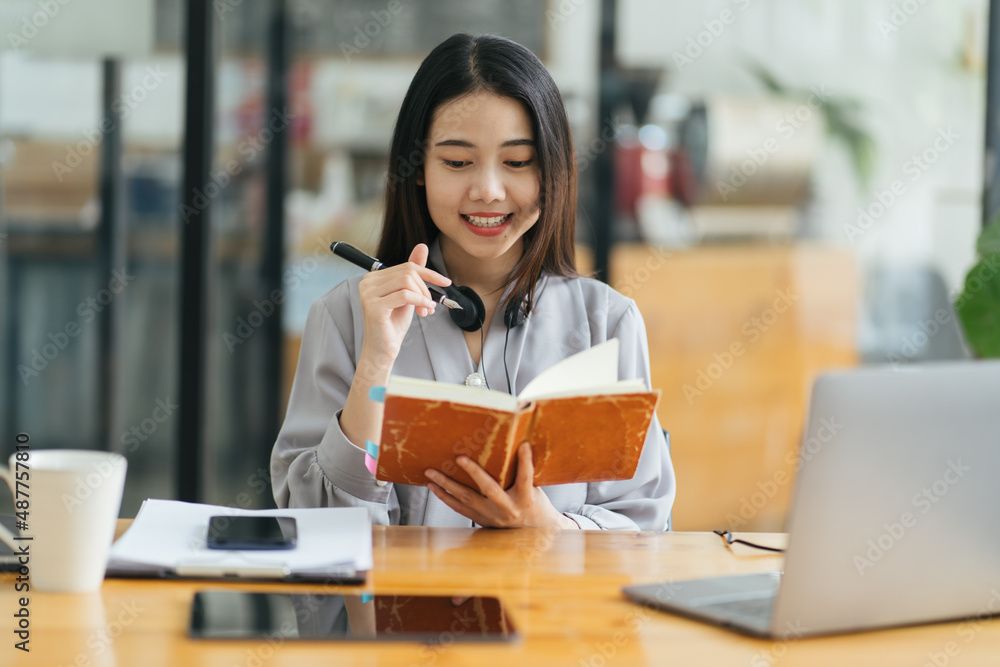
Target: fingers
column 488, row 486
column 452, row 502
column 460, row 491
column 525, row 480
column 395, row 288
column 418, row 257
column 419, row 254
column 400, row 298
column 491, row 506
column 523, row 505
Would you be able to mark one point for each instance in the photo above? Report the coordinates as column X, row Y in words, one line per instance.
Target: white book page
column 455, row 393
column 620, row 387
column 577, row 375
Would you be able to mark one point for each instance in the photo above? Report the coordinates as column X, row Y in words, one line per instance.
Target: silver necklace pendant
column 476, row 381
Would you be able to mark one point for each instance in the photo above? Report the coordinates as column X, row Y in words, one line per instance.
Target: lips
column 486, row 224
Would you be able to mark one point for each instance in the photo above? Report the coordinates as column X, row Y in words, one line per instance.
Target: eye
column 519, row 164
column 455, row 164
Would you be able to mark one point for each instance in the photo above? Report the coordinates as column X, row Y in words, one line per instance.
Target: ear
column 420, row 177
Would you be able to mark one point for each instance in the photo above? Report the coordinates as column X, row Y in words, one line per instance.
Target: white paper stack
column 168, row 539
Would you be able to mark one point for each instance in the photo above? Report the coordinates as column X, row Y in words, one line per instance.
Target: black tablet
column 277, row 617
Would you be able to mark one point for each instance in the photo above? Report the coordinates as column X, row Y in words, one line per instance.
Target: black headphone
column 472, row 315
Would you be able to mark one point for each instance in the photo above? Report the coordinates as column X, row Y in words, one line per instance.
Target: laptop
column 895, row 517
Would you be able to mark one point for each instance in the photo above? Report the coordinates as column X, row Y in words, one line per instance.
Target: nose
column 487, row 186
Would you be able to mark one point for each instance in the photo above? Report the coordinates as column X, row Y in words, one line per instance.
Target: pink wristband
column 371, row 451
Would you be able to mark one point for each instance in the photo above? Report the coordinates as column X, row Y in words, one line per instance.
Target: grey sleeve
column 645, row 501
column 313, row 464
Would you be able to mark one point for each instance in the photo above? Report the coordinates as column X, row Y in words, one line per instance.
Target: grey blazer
column 314, row 465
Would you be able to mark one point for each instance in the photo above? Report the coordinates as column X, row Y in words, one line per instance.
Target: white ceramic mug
column 73, row 499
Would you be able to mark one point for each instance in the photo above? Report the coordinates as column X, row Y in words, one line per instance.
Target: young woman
column 481, row 192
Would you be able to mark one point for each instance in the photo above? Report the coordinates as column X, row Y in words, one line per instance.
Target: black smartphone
column 252, row 532
column 359, row 617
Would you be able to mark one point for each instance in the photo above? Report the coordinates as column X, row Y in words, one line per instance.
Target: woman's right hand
column 389, row 298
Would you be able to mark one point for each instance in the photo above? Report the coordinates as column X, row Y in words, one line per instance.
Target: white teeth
column 486, row 222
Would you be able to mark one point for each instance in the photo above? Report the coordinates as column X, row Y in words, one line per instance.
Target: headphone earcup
column 473, row 312
column 515, row 315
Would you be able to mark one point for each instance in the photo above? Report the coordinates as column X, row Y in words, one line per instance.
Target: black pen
column 368, row 263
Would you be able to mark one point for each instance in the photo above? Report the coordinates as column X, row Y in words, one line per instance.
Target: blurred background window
column 783, row 186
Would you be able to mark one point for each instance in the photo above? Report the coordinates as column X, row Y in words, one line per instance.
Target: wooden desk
column 561, row 588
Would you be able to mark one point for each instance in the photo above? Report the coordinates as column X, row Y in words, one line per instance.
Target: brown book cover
column 583, row 425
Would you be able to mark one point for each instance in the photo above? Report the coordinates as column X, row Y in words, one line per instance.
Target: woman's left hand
column 522, row 506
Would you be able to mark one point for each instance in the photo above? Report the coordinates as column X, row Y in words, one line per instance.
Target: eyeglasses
column 731, row 539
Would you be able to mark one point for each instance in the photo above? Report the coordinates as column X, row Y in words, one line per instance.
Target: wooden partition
column 736, row 336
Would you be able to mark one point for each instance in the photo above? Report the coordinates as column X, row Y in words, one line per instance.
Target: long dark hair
column 462, row 65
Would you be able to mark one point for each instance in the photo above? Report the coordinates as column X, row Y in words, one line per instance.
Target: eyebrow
column 467, row 144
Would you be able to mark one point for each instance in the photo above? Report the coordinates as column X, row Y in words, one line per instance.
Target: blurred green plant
column 978, row 306
column 843, row 122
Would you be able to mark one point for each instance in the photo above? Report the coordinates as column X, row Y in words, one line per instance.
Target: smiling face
column 482, row 178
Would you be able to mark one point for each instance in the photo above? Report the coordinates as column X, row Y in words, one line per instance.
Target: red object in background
column 251, row 107
column 300, row 82
column 251, row 116
column 628, row 177
column 640, row 171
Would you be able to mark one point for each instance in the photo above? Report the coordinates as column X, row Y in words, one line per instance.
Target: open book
column 584, row 425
